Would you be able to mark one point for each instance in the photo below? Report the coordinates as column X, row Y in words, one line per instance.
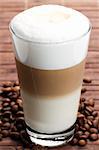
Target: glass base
column 51, row 140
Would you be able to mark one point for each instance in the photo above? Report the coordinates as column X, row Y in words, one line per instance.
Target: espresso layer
column 49, row 83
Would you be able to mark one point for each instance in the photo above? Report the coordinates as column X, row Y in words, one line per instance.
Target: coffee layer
column 50, row 83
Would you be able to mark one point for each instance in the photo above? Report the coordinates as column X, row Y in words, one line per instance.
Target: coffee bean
column 7, row 114
column 90, row 118
column 19, row 126
column 16, row 83
column 20, row 120
column 76, row 127
column 7, row 84
column 23, row 133
column 5, row 133
column 81, row 123
column 25, row 142
column 89, row 122
column 12, row 103
column 6, row 125
column 86, row 103
column 25, row 138
column 15, row 108
column 19, row 102
column 6, row 100
column 93, row 130
column 82, row 142
column 6, row 109
column 83, row 90
column 87, row 134
column 5, row 120
column 0, row 113
column 85, row 120
column 1, row 92
column 80, row 119
column 94, row 114
column 20, row 114
column 79, row 133
column 14, row 95
column 15, row 135
column 87, row 80
column 87, row 112
column 80, row 116
column 81, row 107
column 1, row 99
column 83, row 137
column 16, row 88
column 82, row 128
column 7, row 89
column 87, row 126
column 82, row 99
column 93, row 137
column 13, row 128
column 1, row 123
column 89, row 109
column 91, row 102
column 12, row 119
column 0, row 136
column 74, row 141
column 10, row 94
column 95, row 123
column 5, row 104
column 0, row 107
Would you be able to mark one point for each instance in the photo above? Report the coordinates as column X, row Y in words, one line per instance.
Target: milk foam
column 50, row 23
column 51, row 28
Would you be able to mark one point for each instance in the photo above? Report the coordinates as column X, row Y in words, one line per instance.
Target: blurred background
column 9, row 8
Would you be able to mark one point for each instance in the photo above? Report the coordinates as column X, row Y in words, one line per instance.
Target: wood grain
column 8, row 9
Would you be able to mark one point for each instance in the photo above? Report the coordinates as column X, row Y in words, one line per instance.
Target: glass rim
column 47, row 43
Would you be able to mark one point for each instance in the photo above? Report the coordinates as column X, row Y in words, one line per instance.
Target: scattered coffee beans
column 87, row 123
column 11, row 113
column 12, row 122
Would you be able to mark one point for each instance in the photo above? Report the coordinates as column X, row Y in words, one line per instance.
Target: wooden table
column 8, row 8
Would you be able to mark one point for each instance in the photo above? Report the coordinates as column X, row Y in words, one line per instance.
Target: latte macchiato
column 52, row 95
column 51, row 44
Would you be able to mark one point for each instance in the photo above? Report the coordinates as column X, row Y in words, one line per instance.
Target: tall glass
column 50, row 76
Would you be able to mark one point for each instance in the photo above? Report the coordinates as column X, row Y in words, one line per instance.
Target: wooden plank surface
column 9, row 8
